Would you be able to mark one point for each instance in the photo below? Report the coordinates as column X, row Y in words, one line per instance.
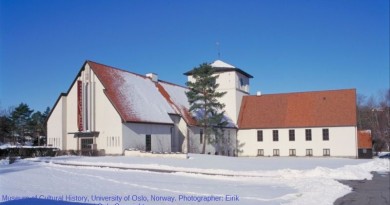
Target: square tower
column 233, row 81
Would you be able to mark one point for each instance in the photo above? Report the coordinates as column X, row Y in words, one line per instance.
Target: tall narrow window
column 276, row 152
column 326, row 152
column 275, row 135
column 308, row 134
column 201, row 136
column 259, row 135
column 148, row 143
column 260, row 152
column 291, row 135
column 325, row 134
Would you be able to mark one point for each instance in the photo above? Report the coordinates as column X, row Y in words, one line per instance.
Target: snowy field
column 201, row 179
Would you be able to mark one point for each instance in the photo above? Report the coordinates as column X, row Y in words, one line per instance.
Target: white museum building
column 111, row 110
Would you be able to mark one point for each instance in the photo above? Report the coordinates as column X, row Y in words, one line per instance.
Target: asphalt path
column 367, row 192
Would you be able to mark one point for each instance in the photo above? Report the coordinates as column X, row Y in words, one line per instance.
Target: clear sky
column 287, row 45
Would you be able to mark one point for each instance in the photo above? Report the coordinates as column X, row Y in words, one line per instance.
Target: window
column 241, row 82
column 325, row 134
column 148, row 143
column 228, row 139
column 275, row 135
column 201, row 136
column 86, row 143
column 259, row 135
column 276, row 152
column 308, row 134
column 309, row 152
column 292, row 152
column 326, row 152
column 291, row 135
column 260, row 152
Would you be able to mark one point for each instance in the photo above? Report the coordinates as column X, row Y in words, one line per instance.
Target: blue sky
column 287, row 45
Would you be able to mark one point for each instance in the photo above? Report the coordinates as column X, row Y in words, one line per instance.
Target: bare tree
column 373, row 114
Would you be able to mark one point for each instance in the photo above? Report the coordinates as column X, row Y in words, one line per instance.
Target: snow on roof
column 221, row 64
column 135, row 97
column 176, row 96
column 139, row 99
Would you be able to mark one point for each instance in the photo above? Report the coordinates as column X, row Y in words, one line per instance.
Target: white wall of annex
column 342, row 142
column 134, row 136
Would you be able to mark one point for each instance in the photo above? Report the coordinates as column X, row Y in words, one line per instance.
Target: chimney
column 152, row 76
column 258, row 93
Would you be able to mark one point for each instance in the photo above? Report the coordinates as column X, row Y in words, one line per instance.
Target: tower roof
column 221, row 66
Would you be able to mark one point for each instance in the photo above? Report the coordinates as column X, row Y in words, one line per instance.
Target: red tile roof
column 364, row 139
column 305, row 109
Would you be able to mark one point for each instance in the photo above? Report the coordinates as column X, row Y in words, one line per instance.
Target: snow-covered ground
column 201, row 179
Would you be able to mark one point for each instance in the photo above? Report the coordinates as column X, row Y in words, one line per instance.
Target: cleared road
column 367, row 192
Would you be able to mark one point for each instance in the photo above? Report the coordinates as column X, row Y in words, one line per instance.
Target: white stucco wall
column 179, row 134
column 342, row 142
column 230, row 82
column 134, row 136
column 71, row 118
column 56, row 127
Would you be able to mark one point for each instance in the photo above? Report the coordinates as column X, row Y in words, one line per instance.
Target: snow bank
column 255, row 180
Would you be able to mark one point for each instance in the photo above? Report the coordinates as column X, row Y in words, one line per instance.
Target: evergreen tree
column 203, row 98
column 21, row 119
column 5, row 128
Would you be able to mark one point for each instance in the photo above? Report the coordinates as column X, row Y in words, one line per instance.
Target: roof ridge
column 119, row 69
column 303, row 92
column 174, row 84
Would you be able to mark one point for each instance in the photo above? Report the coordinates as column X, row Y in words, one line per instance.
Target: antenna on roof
column 219, row 50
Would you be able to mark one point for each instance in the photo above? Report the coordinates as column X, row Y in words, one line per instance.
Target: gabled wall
column 101, row 117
